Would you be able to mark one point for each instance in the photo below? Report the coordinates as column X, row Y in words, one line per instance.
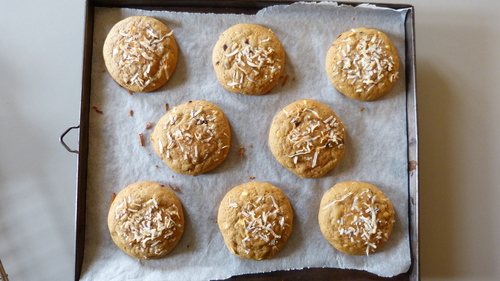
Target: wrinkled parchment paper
column 376, row 145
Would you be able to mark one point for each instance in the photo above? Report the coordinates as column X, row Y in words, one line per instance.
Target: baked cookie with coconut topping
column 146, row 220
column 192, row 138
column 356, row 217
column 363, row 64
column 248, row 59
column 140, row 53
column 255, row 220
column 307, row 138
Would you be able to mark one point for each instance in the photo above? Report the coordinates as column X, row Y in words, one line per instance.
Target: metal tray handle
column 61, row 139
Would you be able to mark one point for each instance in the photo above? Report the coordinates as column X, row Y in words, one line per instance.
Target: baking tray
column 250, row 7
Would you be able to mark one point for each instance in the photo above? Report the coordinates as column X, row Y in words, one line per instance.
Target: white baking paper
column 376, row 149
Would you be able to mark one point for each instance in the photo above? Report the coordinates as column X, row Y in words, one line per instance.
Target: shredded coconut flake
column 361, row 224
column 138, row 50
column 261, row 220
column 367, row 63
column 311, row 134
column 192, row 135
column 250, row 62
column 146, row 226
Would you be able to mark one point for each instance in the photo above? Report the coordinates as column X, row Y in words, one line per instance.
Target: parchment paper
column 376, row 145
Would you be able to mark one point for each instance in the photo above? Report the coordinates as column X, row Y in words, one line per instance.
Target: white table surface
column 458, row 80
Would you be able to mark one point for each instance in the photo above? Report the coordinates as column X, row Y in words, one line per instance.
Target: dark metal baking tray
column 250, row 7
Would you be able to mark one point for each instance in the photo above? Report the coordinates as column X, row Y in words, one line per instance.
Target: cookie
column 192, row 138
column 356, row 217
column 146, row 220
column 255, row 220
column 140, row 53
column 363, row 64
column 248, row 59
column 307, row 138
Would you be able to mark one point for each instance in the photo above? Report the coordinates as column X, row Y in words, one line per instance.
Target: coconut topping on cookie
column 140, row 52
column 255, row 220
column 248, row 59
column 185, row 132
column 146, row 224
column 311, row 134
column 364, row 61
column 361, row 219
column 250, row 62
column 193, row 137
column 260, row 220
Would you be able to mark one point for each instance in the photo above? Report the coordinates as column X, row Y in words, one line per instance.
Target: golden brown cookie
column 255, row 220
column 248, row 59
column 146, row 220
column 140, row 53
column 307, row 138
column 356, row 217
column 363, row 64
column 192, row 138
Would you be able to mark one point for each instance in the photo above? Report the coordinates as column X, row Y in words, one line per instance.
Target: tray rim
column 248, row 6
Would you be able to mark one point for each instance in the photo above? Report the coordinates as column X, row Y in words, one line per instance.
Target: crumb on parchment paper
column 241, row 151
column 96, row 109
column 141, row 139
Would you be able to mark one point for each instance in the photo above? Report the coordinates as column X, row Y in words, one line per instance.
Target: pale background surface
column 458, row 80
